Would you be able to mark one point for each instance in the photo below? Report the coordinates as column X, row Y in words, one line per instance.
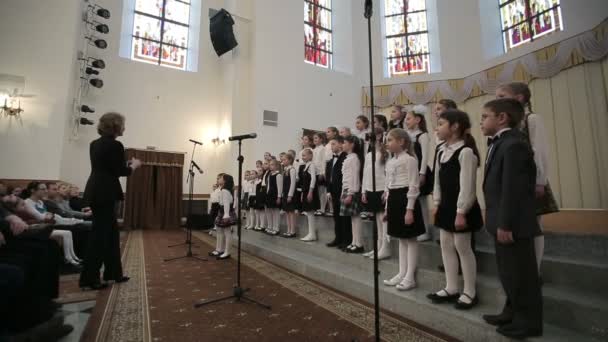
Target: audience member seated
column 76, row 201
column 29, row 281
column 3, row 189
column 18, row 207
column 58, row 203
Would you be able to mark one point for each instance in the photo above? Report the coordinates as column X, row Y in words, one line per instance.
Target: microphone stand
column 368, row 15
column 190, row 181
column 238, row 291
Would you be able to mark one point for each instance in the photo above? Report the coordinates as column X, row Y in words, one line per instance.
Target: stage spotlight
column 100, row 11
column 96, row 63
column 96, row 82
column 91, row 71
column 99, row 43
column 87, row 109
column 85, row 121
column 101, row 28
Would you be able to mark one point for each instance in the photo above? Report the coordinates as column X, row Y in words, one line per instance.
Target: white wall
column 470, row 38
column 163, row 107
column 305, row 96
column 38, row 42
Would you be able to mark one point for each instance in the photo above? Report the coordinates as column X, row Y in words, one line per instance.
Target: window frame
column 408, row 55
column 314, row 28
column 506, row 31
column 161, row 42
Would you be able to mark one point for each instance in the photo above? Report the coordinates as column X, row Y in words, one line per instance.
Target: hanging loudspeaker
column 222, row 35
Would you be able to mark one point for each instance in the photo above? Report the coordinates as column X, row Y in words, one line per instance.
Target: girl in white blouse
column 534, row 130
column 226, row 217
column 373, row 200
column 416, row 128
column 457, row 212
column 274, row 192
column 289, row 195
column 251, row 218
column 403, row 214
column 309, row 200
column 319, row 159
column 350, row 201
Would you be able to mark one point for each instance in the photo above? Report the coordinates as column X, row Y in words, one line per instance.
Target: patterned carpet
column 157, row 303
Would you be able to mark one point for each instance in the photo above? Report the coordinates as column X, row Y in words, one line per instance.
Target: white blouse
column 215, row 196
column 226, row 201
column 350, row 174
column 328, row 153
column 293, row 175
column 367, row 173
column 540, row 146
column 424, row 141
column 401, row 172
column 468, row 176
column 318, row 157
column 252, row 184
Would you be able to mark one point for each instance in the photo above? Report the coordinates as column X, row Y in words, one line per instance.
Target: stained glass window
column 407, row 38
column 526, row 20
column 318, row 33
column 160, row 32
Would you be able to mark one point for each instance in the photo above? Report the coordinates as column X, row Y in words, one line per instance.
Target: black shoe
column 122, row 279
column 500, row 319
column 355, row 250
column 55, row 333
column 223, row 257
column 333, row 244
column 460, row 305
column 93, row 286
column 437, row 299
column 517, row 332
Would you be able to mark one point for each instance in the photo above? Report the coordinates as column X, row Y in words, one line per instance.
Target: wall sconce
column 217, row 141
column 12, row 107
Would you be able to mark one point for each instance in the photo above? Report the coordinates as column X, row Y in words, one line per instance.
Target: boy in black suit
column 333, row 176
column 508, row 188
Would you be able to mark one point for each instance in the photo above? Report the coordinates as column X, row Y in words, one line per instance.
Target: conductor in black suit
column 508, row 187
column 333, row 176
column 102, row 192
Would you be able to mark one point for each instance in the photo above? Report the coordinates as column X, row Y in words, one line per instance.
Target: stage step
column 575, row 311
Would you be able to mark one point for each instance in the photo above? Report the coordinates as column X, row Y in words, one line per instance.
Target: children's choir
column 332, row 175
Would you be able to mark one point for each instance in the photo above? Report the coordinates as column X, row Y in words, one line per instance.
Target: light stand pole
column 368, row 15
column 238, row 292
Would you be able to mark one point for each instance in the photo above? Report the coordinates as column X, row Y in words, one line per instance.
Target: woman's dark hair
column 228, row 182
column 448, row 104
column 382, row 120
column 111, row 124
column 31, row 188
column 364, row 119
column 455, row 116
column 310, row 141
column 358, row 147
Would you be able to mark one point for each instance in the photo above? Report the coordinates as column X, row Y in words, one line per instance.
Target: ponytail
column 469, row 141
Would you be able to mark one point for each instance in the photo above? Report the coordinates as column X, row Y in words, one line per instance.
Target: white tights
column 408, row 259
column 65, row 238
column 451, row 245
column 224, row 240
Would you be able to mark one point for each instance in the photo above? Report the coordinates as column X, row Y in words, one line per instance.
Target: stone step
column 562, row 307
column 576, row 274
column 336, row 269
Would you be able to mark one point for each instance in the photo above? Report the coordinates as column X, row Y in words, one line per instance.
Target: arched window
column 407, row 37
column 318, row 33
column 527, row 20
column 160, row 32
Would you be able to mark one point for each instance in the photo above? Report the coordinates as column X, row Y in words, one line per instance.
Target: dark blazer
column 108, row 163
column 334, row 184
column 508, row 187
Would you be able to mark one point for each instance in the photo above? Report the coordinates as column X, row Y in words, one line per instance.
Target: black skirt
column 271, row 201
column 309, row 206
column 260, row 199
column 374, row 201
column 395, row 212
column 215, row 208
column 291, row 206
column 251, row 202
column 445, row 217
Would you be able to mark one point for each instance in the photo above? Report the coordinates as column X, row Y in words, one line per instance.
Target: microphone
column 196, row 142
column 197, row 167
column 243, row 137
column 369, row 9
